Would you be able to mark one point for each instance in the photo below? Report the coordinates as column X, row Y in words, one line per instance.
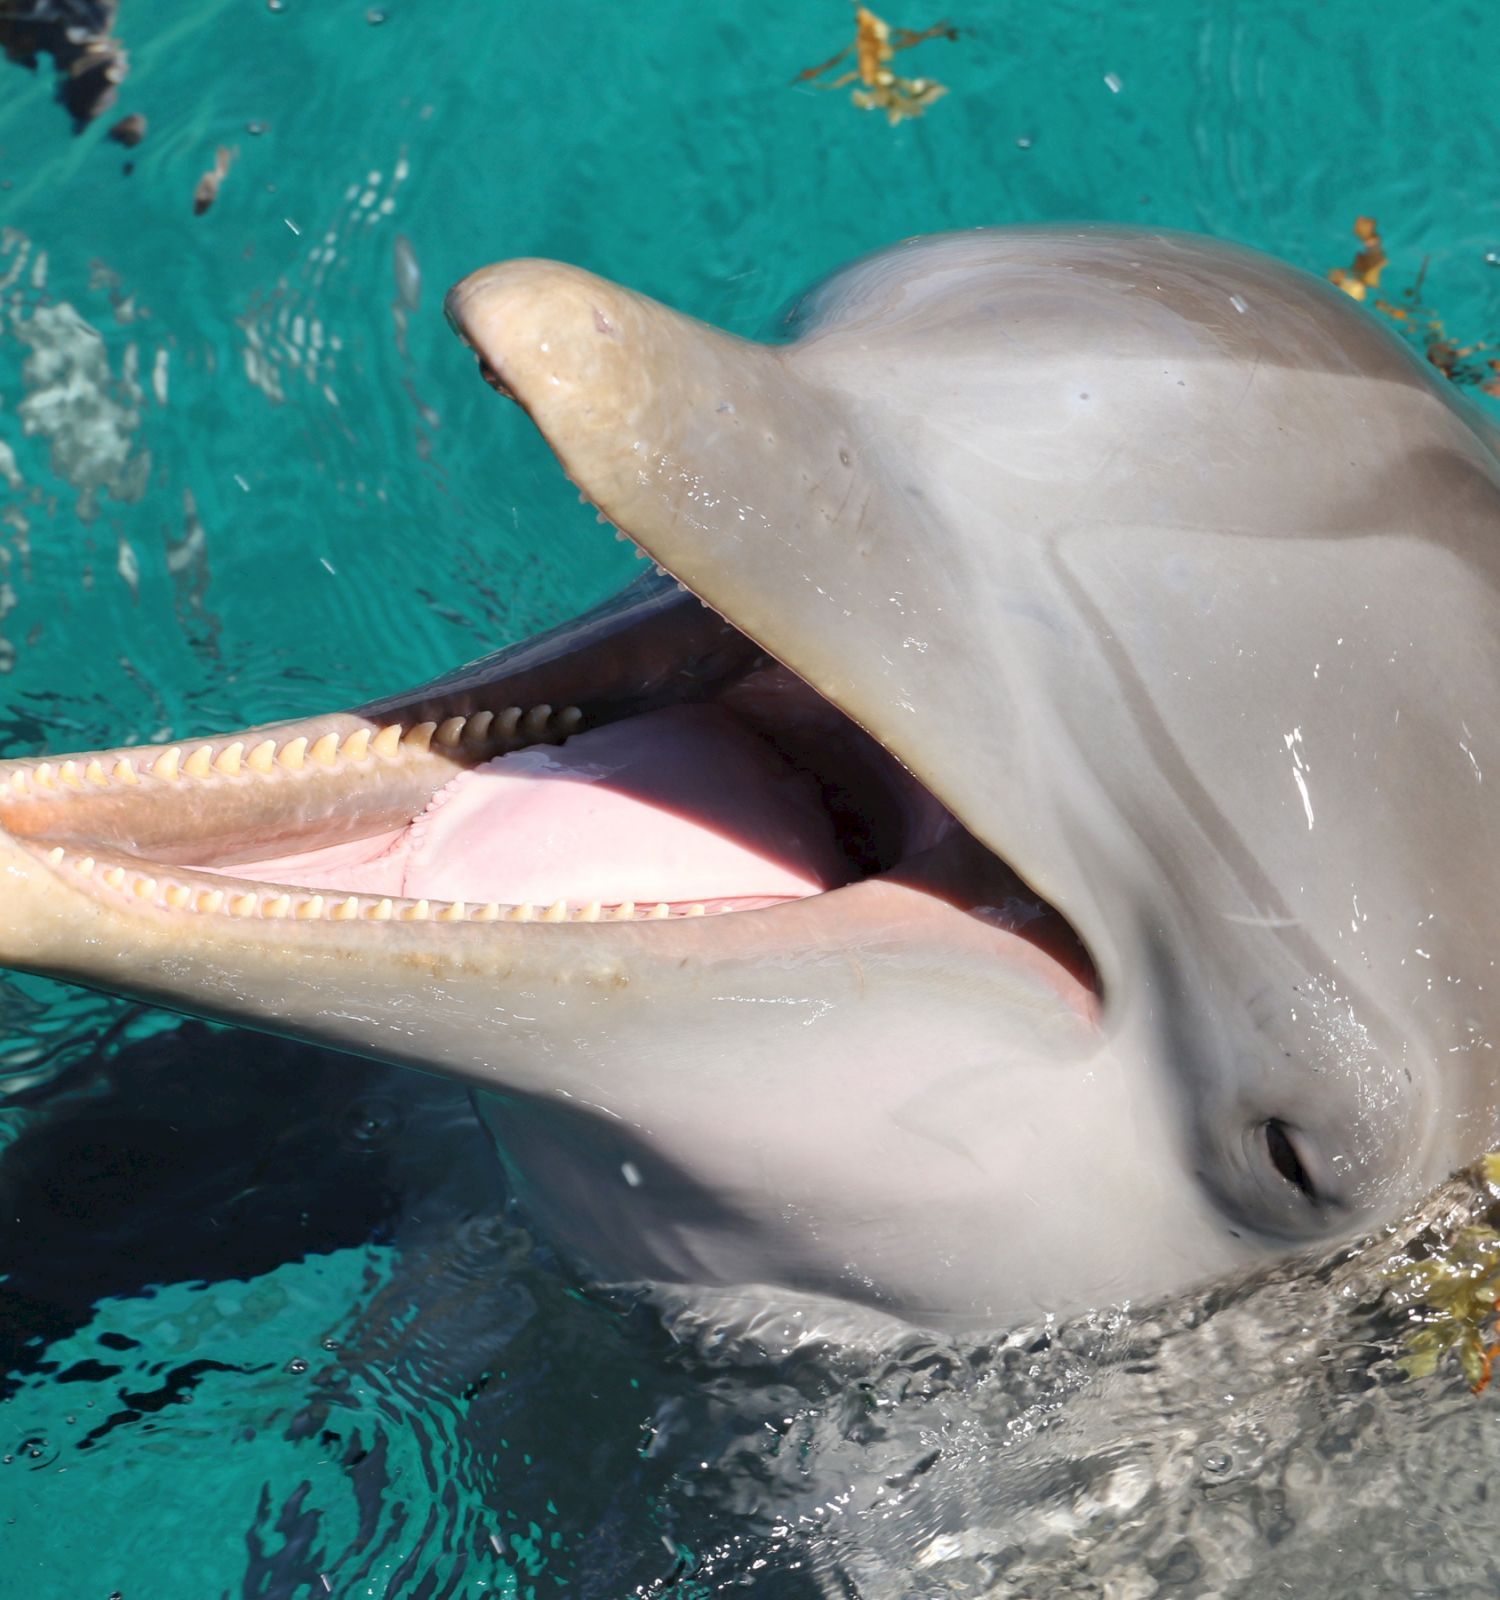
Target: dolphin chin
column 997, row 895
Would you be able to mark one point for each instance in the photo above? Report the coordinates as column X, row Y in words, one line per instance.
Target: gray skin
column 1167, row 569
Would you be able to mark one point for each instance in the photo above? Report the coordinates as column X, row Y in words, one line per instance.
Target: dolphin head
column 1034, row 854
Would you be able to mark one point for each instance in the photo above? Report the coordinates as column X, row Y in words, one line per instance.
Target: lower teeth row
column 274, row 905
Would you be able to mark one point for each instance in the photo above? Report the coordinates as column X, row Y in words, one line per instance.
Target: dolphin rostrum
column 1051, row 866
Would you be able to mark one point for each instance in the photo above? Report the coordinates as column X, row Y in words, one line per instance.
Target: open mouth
column 687, row 784
column 648, row 763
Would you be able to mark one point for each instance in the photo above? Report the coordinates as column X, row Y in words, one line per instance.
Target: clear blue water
column 269, row 1329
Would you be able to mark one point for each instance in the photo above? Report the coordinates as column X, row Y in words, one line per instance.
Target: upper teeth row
column 479, row 733
column 277, row 904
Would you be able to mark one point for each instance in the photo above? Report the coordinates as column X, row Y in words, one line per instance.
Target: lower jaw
column 213, row 893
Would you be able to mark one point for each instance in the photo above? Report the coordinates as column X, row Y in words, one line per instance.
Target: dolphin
column 1036, row 854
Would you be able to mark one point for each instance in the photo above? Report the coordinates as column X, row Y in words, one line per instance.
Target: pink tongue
column 681, row 805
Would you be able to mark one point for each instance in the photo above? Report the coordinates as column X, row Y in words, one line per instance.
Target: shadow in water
column 202, row 1155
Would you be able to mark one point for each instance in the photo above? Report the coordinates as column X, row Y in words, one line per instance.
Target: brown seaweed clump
column 79, row 36
column 874, row 47
column 207, row 190
column 1468, row 364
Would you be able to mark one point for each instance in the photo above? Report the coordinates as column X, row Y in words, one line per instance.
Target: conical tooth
column 326, row 751
column 243, row 905
column 19, row 782
column 556, row 912
column 210, row 900
column 478, row 729
column 457, row 912
column 262, row 757
column 621, row 535
column 388, row 741
column 569, row 720
column 450, row 730
column 696, row 911
column 114, row 877
column 357, row 746
column 487, row 913
column 145, row 888
column 590, row 912
column 277, row 906
column 168, row 764
column 418, row 737
column 311, row 909
column 521, row 913
column 124, row 772
column 345, row 910
column 660, row 911
column 86, row 867
column 96, row 774
column 625, row 911
column 71, row 774
column 177, row 895
column 229, row 759
column 381, row 911
column 44, row 777
column 534, row 723
column 55, row 855
column 510, row 721
column 294, row 754
column 201, row 763
column 417, row 911
column 661, row 571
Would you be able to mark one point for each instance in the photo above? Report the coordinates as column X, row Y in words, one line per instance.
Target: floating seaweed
column 1466, row 364
column 874, row 46
column 207, row 190
column 1452, row 1296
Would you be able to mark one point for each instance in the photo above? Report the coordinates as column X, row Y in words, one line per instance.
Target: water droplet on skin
column 1492, row 258
column 1024, row 142
column 374, row 16
column 255, row 129
column 296, row 1366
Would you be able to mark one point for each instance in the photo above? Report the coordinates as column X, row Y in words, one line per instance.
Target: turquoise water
column 248, row 472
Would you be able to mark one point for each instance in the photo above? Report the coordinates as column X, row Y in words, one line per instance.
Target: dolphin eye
column 1282, row 1149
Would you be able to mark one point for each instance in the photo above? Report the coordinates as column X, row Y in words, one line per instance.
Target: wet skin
column 1052, row 866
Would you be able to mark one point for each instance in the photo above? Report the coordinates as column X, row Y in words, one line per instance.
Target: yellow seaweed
column 873, row 47
column 1452, row 1296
